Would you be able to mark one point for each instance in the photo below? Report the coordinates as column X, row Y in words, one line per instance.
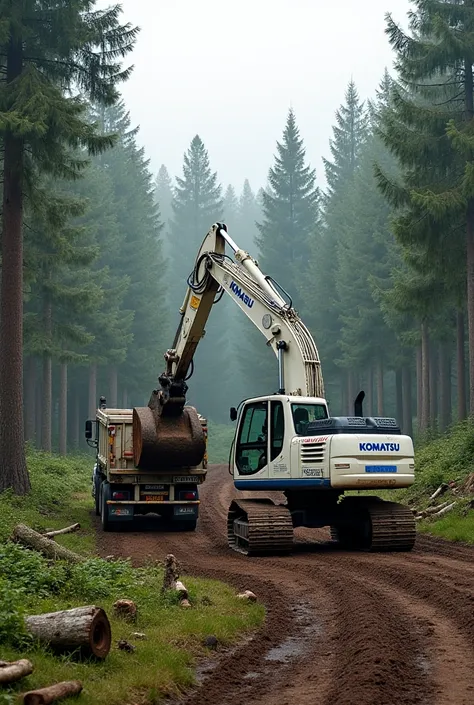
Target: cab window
column 277, row 429
column 303, row 414
column 251, row 451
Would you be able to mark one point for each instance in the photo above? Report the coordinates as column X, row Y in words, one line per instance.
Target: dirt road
column 342, row 628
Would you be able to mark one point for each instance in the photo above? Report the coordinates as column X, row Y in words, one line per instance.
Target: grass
column 29, row 584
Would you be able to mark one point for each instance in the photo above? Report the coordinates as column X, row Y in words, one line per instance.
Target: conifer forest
column 97, row 242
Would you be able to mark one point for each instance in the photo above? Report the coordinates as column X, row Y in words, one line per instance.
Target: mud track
column 342, row 628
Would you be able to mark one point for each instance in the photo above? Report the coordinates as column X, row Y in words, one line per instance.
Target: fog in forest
column 340, row 163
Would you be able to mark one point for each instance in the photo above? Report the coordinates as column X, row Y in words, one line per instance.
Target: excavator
column 285, row 442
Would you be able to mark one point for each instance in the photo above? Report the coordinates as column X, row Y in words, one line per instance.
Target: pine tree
column 164, row 200
column 197, row 205
column 429, row 128
column 250, row 213
column 322, row 307
column 231, row 209
column 39, row 125
column 290, row 211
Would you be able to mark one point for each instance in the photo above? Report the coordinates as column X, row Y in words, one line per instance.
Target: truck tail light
column 188, row 495
column 120, row 495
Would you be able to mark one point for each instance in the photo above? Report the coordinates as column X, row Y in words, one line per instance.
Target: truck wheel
column 97, row 497
column 104, row 496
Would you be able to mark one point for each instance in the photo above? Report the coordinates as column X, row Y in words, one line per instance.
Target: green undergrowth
column 163, row 663
column 219, row 441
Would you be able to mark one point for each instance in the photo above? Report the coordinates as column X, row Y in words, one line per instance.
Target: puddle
column 294, row 646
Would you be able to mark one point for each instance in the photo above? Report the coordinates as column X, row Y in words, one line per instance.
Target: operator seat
column 300, row 418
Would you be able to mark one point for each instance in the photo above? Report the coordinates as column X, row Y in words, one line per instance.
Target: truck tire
column 97, row 497
column 104, row 496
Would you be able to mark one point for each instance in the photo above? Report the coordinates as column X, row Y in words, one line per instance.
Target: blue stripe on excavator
column 282, row 484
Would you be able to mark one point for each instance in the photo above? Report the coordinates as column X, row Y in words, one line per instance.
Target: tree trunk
column 425, row 378
column 13, row 470
column 113, row 387
column 30, row 398
column 380, row 389
column 93, row 403
column 58, row 691
column 76, row 412
column 407, row 401
column 350, row 391
column 14, row 671
column 369, row 400
column 419, row 388
column 461, row 366
column 469, row 108
column 344, row 403
column 47, row 547
column 47, row 378
column 399, row 396
column 39, row 409
column 63, row 409
column 85, row 628
column 445, row 415
column 434, row 370
column 125, row 399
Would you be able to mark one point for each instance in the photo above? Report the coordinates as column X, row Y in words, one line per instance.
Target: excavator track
column 371, row 524
column 258, row 527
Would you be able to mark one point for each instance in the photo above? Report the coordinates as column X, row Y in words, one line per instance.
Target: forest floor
column 341, row 628
column 162, row 664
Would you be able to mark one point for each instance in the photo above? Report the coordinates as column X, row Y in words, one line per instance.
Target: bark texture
column 14, row 671
column 44, row 545
column 84, row 628
column 58, row 691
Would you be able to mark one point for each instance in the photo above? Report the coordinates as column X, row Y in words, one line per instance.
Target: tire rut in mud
column 341, row 628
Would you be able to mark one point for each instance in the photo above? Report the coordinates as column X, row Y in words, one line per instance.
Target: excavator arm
column 261, row 301
column 167, row 431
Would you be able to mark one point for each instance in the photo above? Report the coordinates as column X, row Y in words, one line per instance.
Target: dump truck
column 123, row 492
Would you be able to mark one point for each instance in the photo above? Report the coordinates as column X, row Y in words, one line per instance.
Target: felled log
column 84, row 628
column 442, row 488
column 44, row 545
column 126, row 609
column 423, row 513
column 14, row 670
column 46, row 696
column 444, row 510
column 67, row 530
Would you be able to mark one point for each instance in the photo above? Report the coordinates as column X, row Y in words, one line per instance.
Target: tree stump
column 14, row 671
column 46, row 696
column 171, row 573
column 84, row 628
column 126, row 609
column 44, row 545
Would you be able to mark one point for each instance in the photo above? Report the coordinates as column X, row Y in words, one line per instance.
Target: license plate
column 381, row 468
column 313, row 472
column 186, row 478
column 121, row 511
column 186, row 510
column 153, row 488
column 155, row 498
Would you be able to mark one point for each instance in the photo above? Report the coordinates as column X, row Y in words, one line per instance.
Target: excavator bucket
column 174, row 441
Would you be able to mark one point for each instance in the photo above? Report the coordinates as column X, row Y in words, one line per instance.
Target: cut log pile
column 435, row 511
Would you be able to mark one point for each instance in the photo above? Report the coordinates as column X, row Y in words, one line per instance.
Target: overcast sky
column 229, row 71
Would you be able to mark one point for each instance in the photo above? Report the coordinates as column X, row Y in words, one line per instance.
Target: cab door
column 279, row 465
column 251, row 451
